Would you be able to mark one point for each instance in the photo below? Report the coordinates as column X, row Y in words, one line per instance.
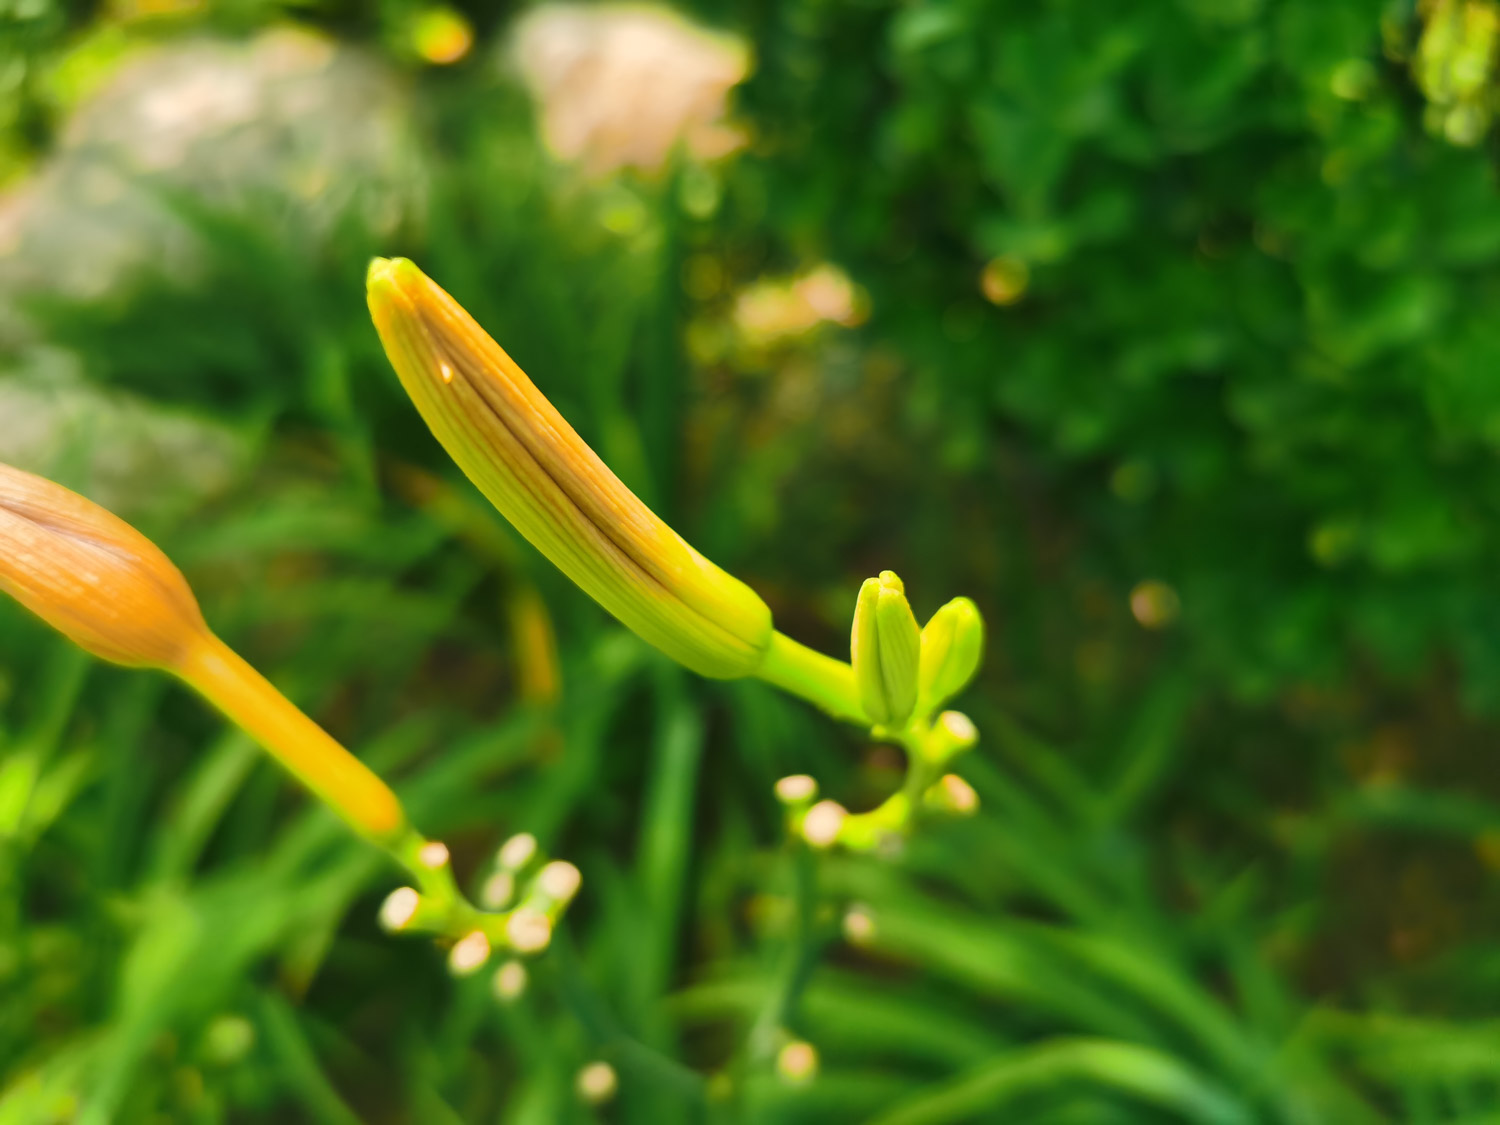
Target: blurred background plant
column 1167, row 331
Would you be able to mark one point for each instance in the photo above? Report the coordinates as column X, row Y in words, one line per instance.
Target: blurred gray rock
column 146, row 463
column 304, row 130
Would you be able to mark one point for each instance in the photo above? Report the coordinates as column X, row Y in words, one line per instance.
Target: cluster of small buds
column 817, row 823
column 826, row 823
column 524, row 894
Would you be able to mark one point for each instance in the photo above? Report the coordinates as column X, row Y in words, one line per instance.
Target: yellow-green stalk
column 528, row 461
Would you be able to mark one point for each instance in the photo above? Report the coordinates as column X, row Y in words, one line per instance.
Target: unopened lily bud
column 885, row 645
column 92, row 576
column 537, row 471
column 952, row 644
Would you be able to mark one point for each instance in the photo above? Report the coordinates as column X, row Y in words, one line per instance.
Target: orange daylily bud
column 110, row 590
column 92, row 576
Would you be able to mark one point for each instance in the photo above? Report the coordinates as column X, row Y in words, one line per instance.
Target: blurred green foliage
column 1181, row 293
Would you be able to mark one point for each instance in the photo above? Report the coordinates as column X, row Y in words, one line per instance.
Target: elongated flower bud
column 92, row 576
column 885, row 645
column 111, row 591
column 537, row 471
column 952, row 644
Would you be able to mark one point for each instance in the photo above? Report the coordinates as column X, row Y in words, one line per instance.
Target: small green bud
column 952, row 643
column 885, row 646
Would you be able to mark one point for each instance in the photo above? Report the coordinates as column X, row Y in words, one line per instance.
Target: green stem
column 819, row 679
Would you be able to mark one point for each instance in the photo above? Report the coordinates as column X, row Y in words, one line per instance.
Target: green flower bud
column 885, row 645
column 952, row 643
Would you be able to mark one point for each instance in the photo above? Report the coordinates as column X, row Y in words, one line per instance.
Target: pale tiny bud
column 228, row 1039
column 859, row 925
column 510, row 981
column 885, row 646
column 953, row 795
column 399, row 908
column 434, row 854
column 597, row 1083
column 559, row 880
column 797, row 1062
column 469, row 954
column 516, row 852
column 952, row 646
column 952, row 734
column 821, row 825
column 498, row 890
column 796, row 789
column 1155, row 604
column 529, row 931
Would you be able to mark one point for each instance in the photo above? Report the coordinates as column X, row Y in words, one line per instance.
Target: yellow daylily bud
column 537, row 471
column 111, row 591
column 952, row 644
column 885, row 645
column 92, row 576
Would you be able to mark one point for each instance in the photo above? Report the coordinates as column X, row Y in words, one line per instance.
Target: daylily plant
column 101, row 583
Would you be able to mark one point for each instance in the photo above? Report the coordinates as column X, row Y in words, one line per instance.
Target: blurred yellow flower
column 1005, row 280
column 769, row 311
column 442, row 35
column 1455, row 64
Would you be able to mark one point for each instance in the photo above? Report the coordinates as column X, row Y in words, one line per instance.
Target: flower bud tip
column 509, row 981
column 597, row 1083
column 469, row 954
column 498, row 890
column 529, row 931
column 859, row 925
column 797, row 1062
column 92, row 576
column 796, row 788
column 821, row 826
column 559, row 880
column 516, row 852
column 399, row 907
